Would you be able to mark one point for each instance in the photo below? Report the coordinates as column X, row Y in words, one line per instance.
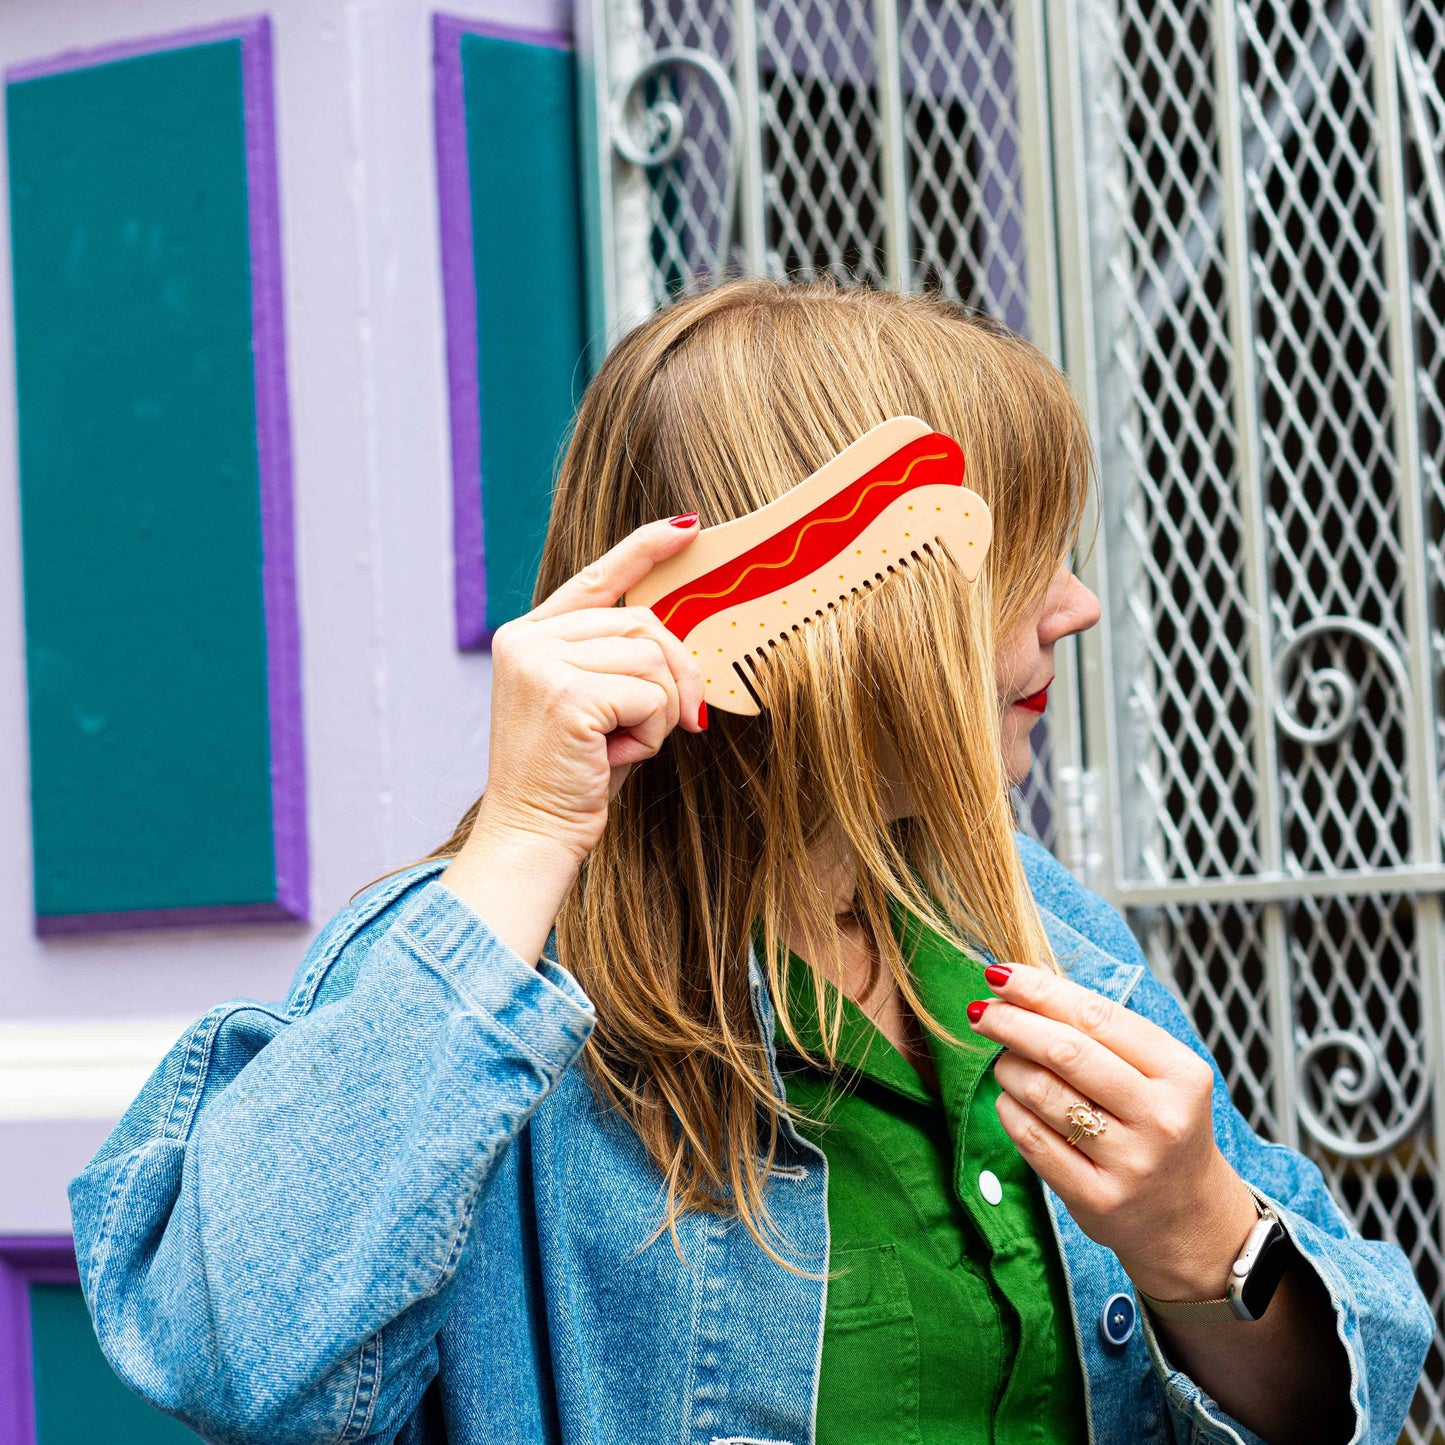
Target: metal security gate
column 1227, row 219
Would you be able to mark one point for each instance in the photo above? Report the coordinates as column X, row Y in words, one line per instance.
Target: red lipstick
column 1035, row 702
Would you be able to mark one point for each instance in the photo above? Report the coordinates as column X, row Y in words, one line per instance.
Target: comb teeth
column 749, row 666
column 927, row 522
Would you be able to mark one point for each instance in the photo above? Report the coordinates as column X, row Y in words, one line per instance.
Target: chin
column 1016, row 775
column 1018, row 759
column 1017, row 745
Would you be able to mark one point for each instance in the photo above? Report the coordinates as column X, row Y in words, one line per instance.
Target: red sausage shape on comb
column 894, row 495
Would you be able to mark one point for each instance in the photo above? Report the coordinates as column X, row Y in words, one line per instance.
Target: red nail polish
column 997, row 974
column 685, row 519
column 702, row 716
column 976, row 1008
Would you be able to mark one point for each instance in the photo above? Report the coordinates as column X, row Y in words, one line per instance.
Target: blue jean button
column 1117, row 1319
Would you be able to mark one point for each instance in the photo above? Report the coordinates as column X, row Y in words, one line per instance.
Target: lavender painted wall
column 395, row 716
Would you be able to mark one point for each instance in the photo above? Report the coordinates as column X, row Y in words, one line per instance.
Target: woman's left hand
column 1153, row 1186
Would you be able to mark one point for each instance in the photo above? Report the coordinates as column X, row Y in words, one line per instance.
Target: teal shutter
column 166, row 769
column 512, row 264
column 79, row 1400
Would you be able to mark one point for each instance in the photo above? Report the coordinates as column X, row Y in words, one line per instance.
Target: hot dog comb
column 892, row 497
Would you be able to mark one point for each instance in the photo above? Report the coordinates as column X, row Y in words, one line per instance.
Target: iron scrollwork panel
column 657, row 117
column 1262, row 518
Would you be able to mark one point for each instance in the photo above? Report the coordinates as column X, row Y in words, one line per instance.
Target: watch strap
column 1189, row 1312
column 1213, row 1311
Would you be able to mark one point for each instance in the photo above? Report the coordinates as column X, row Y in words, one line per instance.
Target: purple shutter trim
column 25, row 1261
column 59, row 925
column 459, row 290
column 273, row 460
column 499, row 30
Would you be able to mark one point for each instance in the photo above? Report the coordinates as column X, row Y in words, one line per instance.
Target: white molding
column 80, row 1069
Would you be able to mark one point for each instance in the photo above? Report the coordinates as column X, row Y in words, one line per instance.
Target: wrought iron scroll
column 1334, row 692
column 665, row 126
column 1354, row 1087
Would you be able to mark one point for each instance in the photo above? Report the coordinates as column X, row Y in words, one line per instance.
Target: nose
column 1073, row 608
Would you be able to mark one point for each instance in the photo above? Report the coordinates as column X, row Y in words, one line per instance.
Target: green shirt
column 949, row 1321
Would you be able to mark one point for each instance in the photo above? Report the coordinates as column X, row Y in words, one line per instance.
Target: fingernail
column 976, row 1008
column 685, row 519
column 997, row 974
column 702, row 717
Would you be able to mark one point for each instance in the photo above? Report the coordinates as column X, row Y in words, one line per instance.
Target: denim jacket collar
column 1086, row 963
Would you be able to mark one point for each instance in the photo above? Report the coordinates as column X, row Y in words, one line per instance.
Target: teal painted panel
column 527, row 247
column 79, row 1399
column 150, row 749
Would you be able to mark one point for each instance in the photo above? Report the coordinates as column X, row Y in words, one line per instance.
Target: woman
column 566, row 1185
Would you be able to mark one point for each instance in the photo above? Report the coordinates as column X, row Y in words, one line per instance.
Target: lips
column 1038, row 701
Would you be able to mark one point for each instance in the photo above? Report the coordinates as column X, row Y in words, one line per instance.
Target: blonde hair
column 720, row 403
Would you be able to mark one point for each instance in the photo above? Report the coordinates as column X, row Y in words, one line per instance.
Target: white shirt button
column 989, row 1186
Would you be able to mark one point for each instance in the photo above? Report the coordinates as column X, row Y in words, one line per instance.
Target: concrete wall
column 395, row 716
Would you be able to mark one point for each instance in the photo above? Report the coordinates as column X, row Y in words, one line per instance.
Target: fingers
column 1044, row 1093
column 638, row 657
column 1129, row 1036
column 581, row 690
column 1076, row 1063
column 1066, row 1169
column 604, row 582
column 584, row 608
column 640, row 622
column 635, row 706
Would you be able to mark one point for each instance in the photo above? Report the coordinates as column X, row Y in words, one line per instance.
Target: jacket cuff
column 1197, row 1417
column 542, row 1009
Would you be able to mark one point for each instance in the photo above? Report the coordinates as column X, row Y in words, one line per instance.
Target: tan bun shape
column 934, row 513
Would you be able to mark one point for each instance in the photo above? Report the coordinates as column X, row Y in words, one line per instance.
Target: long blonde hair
column 720, row 403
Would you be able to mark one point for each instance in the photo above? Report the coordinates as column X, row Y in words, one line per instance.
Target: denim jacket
column 314, row 1212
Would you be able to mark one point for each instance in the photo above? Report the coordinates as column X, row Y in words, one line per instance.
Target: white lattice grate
column 820, row 135
column 687, row 213
column 1317, row 507
column 1190, row 707
column 961, row 132
column 1214, row 957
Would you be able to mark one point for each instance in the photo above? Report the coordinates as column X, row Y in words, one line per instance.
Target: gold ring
column 1089, row 1121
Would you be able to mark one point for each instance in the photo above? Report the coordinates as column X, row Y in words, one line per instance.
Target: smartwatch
column 1253, row 1278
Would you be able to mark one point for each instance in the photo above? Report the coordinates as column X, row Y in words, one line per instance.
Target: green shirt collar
column 946, row 980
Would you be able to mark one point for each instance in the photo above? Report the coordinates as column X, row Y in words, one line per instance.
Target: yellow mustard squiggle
column 813, row 522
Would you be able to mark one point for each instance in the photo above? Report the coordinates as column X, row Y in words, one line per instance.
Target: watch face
column 1269, row 1266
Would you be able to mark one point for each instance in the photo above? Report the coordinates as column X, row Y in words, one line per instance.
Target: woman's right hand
column 582, row 691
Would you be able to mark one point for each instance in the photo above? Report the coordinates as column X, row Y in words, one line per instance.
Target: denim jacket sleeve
column 266, row 1239
column 1381, row 1315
